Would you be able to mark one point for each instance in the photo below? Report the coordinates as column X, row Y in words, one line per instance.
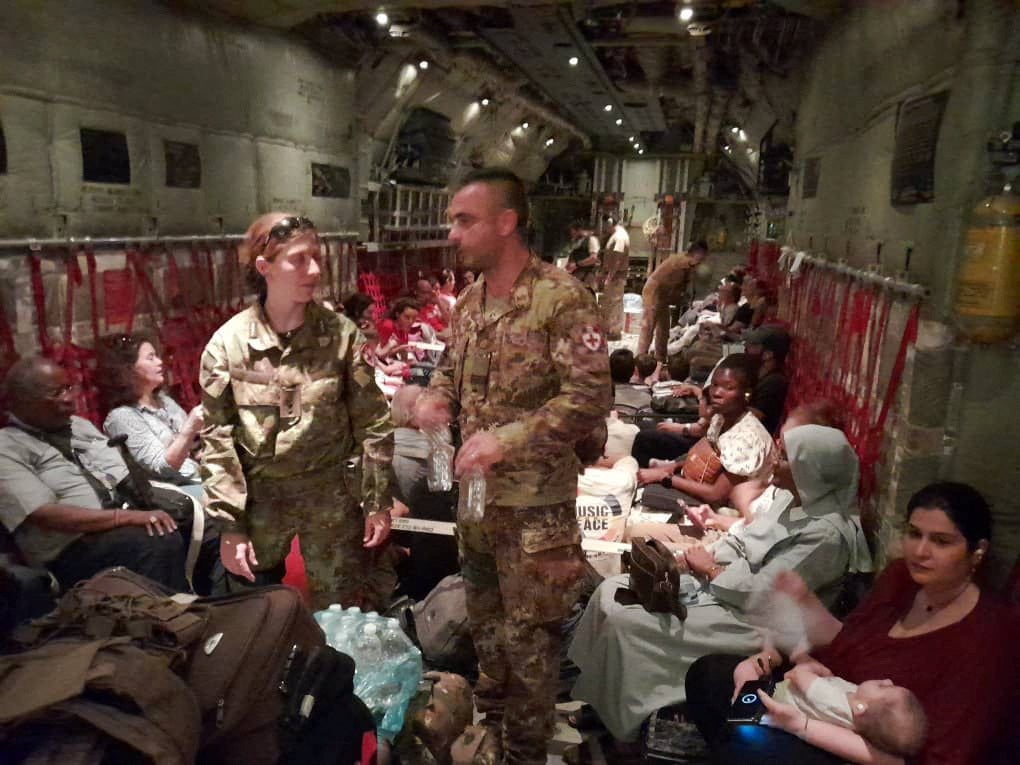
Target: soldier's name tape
column 445, row 528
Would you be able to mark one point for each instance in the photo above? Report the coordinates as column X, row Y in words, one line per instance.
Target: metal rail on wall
column 868, row 276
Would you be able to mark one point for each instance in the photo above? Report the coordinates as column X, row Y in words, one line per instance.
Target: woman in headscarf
column 633, row 662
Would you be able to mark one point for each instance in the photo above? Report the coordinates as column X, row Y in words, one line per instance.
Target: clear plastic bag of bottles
column 387, row 665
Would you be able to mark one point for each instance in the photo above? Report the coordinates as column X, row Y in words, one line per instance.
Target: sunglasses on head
column 286, row 228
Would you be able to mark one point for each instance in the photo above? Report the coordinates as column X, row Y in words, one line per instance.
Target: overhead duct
column 702, row 91
column 716, row 114
column 815, row 9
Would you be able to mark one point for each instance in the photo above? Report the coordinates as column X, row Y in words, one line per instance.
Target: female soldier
column 288, row 402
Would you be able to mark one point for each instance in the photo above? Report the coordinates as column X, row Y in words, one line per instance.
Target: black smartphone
column 748, row 707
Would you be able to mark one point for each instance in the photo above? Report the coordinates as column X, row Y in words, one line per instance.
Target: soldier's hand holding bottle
column 238, row 554
column 482, row 450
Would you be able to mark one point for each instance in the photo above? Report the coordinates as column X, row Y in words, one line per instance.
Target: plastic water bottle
column 474, row 505
column 328, row 616
column 344, row 630
column 440, row 459
column 368, row 647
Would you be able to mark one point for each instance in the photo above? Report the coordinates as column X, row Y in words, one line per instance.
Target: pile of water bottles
column 388, row 665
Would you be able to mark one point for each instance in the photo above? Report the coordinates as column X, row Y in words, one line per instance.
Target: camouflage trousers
column 611, row 307
column 331, row 526
column 522, row 569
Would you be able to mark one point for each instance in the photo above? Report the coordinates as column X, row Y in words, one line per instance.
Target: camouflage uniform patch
column 537, row 376
column 281, row 422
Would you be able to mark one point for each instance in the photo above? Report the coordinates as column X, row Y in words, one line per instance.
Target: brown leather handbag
column 655, row 578
column 701, row 463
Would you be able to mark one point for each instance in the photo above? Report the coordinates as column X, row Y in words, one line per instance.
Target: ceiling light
column 619, row 120
column 573, row 60
column 485, row 102
column 423, row 64
column 608, row 107
column 524, row 125
column 734, row 130
column 742, row 135
column 630, row 138
column 637, row 146
column 382, row 19
column 686, row 14
column 726, row 147
column 549, row 141
column 641, row 151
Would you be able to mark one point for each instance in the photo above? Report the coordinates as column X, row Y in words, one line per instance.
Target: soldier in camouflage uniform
column 288, row 403
column 527, row 375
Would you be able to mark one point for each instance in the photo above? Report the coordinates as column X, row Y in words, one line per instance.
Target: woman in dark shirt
column 926, row 626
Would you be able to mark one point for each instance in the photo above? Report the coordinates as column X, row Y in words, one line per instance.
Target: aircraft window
column 331, row 181
column 104, row 156
column 3, row 152
column 183, row 165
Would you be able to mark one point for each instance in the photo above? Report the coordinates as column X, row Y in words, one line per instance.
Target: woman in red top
column 926, row 626
column 394, row 331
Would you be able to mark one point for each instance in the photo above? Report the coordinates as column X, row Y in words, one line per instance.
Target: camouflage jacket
column 536, row 375
column 293, row 413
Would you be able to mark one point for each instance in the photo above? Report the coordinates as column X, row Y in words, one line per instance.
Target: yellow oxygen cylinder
column 988, row 294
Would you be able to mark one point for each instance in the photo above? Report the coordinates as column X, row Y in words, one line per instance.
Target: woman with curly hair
column 161, row 436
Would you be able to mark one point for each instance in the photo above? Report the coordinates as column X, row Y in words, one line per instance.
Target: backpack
column 323, row 722
column 439, row 626
column 93, row 701
column 231, row 654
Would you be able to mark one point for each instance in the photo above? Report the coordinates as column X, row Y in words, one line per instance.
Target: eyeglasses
column 284, row 229
column 57, row 393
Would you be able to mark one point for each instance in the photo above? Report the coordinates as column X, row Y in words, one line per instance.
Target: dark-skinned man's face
column 48, row 403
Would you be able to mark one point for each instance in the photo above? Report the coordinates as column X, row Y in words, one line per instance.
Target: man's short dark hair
column 621, row 365
column 699, row 246
column 512, row 188
column 645, row 364
column 679, row 367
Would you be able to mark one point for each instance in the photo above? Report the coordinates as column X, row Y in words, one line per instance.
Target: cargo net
column 851, row 338
column 180, row 295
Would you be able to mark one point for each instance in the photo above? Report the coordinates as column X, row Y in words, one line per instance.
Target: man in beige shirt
column 671, row 277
